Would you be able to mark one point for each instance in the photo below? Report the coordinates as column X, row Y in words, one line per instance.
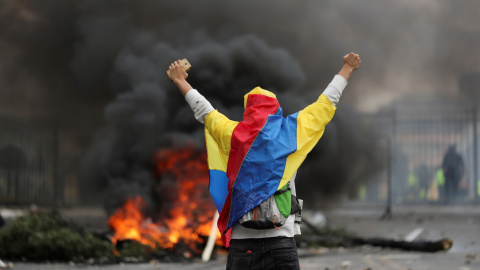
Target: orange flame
column 188, row 220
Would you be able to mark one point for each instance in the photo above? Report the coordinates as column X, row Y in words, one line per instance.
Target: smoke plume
column 103, row 62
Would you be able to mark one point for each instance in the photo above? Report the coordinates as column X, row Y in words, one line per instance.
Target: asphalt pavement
column 459, row 223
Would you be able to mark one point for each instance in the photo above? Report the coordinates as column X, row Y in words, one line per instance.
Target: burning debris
column 47, row 237
column 183, row 216
column 129, row 224
column 176, row 228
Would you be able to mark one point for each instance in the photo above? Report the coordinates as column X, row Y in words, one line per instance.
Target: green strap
column 284, row 200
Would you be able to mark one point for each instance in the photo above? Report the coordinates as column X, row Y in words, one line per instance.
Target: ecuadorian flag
column 249, row 160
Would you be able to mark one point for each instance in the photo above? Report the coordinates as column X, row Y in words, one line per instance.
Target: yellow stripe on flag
column 311, row 123
column 218, row 136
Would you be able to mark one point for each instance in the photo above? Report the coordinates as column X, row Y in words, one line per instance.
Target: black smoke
column 103, row 61
column 153, row 115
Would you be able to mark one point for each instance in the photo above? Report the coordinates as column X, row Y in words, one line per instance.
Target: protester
column 453, row 169
column 253, row 164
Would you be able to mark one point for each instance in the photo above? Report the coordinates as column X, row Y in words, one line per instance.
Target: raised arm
column 351, row 62
column 179, row 77
column 334, row 90
column 200, row 106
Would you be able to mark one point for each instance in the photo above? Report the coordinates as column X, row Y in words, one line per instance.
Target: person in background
column 453, row 168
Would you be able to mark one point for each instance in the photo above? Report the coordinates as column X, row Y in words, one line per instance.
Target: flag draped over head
column 249, row 160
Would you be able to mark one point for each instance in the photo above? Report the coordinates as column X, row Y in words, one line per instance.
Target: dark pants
column 263, row 254
column 451, row 190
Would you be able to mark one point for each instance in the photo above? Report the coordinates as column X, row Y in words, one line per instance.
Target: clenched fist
column 351, row 62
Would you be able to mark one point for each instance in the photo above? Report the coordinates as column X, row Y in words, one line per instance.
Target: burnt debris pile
column 47, row 237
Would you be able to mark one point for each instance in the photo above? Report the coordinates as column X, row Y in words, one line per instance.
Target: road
column 460, row 223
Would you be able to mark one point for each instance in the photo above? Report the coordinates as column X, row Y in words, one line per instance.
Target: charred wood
column 330, row 240
column 419, row 245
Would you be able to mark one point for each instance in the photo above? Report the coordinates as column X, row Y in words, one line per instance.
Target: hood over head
column 260, row 100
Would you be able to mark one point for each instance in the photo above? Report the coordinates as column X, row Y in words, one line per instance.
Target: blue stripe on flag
column 264, row 165
column 218, row 187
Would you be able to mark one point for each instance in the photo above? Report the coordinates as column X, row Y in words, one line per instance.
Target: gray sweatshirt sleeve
column 199, row 104
column 335, row 88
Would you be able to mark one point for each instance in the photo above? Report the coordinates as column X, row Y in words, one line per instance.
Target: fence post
column 475, row 155
column 57, row 184
column 390, row 141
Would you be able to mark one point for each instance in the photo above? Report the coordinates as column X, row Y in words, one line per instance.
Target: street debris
column 469, row 258
column 411, row 244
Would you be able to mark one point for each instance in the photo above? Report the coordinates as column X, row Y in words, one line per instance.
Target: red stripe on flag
column 259, row 107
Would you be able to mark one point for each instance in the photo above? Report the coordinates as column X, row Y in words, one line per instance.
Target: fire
column 188, row 219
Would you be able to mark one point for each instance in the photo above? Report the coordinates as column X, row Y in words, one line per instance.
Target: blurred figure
column 453, row 169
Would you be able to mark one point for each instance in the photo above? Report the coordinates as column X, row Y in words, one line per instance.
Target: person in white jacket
column 267, row 248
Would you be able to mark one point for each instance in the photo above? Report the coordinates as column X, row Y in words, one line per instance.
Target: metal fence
column 420, row 137
column 39, row 162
